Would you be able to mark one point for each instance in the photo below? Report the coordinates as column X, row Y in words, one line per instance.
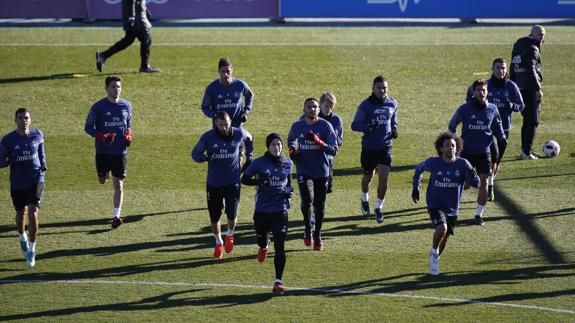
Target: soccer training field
column 158, row 266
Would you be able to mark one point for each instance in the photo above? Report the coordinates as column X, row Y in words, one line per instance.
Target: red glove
column 107, row 138
column 128, row 138
column 294, row 155
column 313, row 137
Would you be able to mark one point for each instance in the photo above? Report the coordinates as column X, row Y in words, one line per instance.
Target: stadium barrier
column 186, row 9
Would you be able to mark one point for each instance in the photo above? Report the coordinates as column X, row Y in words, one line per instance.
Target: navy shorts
column 117, row 164
column 27, row 196
column 438, row 217
column 371, row 158
column 216, row 197
column 480, row 161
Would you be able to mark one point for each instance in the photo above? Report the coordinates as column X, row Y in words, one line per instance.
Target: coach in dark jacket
column 526, row 72
column 136, row 24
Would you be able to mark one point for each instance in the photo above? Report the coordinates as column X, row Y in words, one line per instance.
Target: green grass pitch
column 157, row 267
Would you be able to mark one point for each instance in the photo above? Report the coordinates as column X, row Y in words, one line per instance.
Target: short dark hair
column 498, row 60
column 222, row 115
column 112, row 78
column 310, row 99
column 20, row 110
column 448, row 136
column 479, row 82
column 224, row 62
column 379, row 79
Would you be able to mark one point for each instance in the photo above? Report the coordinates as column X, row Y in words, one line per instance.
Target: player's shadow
column 59, row 76
column 424, row 282
column 94, row 222
column 176, row 299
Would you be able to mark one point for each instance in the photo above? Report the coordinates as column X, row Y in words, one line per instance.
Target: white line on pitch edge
column 364, row 44
column 315, row 290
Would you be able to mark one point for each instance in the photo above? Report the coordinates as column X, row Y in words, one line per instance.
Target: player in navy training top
column 480, row 121
column 272, row 175
column 311, row 141
column 110, row 123
column 226, row 93
column 327, row 102
column 376, row 117
column 23, row 150
column 449, row 176
column 220, row 147
column 505, row 94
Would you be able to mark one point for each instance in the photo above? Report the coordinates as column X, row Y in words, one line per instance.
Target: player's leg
column 119, row 168
column 438, row 219
column 279, row 227
column 306, row 192
column 19, row 202
column 368, row 165
column 103, row 167
column 530, row 122
column 34, row 198
column 330, row 177
column 232, row 204
column 494, row 147
column 383, row 174
column 215, row 199
column 319, row 191
column 483, row 167
column 262, row 226
column 120, row 45
column 145, row 38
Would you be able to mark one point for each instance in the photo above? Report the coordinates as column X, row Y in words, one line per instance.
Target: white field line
column 305, row 289
column 280, row 44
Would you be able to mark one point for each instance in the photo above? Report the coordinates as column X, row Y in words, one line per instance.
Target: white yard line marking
column 279, row 44
column 305, row 289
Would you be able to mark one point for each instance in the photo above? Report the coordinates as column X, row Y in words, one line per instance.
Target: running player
column 327, row 102
column 110, row 123
column 220, row 147
column 449, row 175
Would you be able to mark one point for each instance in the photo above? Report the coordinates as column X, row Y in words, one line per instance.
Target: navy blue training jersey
column 270, row 197
column 106, row 116
column 25, row 155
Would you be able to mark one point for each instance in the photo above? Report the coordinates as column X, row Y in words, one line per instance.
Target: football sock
column 480, row 209
column 218, row 238
column 378, row 204
column 117, row 211
column 435, row 251
column 33, row 246
column 278, row 280
column 23, row 237
column 230, row 232
column 490, row 180
column 364, row 196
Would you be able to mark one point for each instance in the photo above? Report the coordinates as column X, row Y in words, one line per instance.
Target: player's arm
column 330, row 146
column 198, row 152
column 128, row 133
column 532, row 56
column 339, row 133
column 4, row 161
column 497, row 128
column 517, row 103
column 471, row 176
column 42, row 154
column 359, row 123
column 90, row 124
column 207, row 104
column 248, row 178
column 416, row 182
column 292, row 141
column 248, row 99
column 455, row 120
column 394, row 124
column 249, row 145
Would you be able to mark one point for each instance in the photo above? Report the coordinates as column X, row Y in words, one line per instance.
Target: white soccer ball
column 551, row 148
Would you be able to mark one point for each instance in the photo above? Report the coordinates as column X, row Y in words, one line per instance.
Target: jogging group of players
column 312, row 143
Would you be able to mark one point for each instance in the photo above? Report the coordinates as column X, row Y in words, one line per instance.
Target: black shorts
column 118, row 164
column 480, row 161
column 216, row 196
column 27, row 196
column 438, row 218
column 371, row 158
column 494, row 147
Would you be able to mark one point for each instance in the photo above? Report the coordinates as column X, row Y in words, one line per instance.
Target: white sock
column 23, row 237
column 230, row 232
column 218, row 238
column 278, row 280
column 490, row 180
column 117, row 211
column 365, row 197
column 435, row 251
column 378, row 204
column 33, row 246
column 480, row 209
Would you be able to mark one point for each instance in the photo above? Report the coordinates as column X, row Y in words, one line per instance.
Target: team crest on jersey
column 220, row 96
column 440, row 173
column 457, row 173
column 125, row 113
column 473, row 116
column 237, row 94
column 448, row 173
column 17, row 147
column 215, row 146
column 108, row 113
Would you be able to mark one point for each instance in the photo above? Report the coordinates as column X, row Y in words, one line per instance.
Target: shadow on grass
column 59, row 76
column 177, row 299
column 95, row 222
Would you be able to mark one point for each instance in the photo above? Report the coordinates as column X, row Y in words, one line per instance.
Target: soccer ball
column 551, row 148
